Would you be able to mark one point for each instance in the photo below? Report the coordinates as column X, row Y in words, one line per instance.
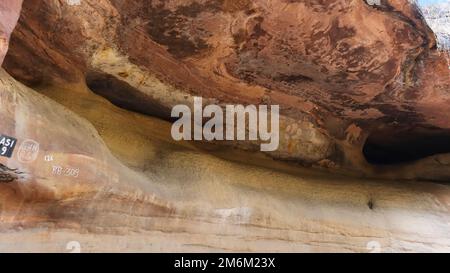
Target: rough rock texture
column 9, row 14
column 341, row 70
column 362, row 90
column 437, row 16
column 184, row 199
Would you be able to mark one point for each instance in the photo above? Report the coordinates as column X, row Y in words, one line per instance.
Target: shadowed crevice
column 397, row 145
column 125, row 96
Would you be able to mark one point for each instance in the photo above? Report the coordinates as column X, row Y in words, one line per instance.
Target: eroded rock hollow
column 87, row 89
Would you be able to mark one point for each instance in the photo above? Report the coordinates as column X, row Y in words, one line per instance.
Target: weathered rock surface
column 181, row 198
column 341, row 71
column 362, row 90
column 9, row 14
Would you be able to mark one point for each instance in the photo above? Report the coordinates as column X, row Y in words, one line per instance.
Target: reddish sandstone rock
column 9, row 14
column 349, row 77
column 86, row 173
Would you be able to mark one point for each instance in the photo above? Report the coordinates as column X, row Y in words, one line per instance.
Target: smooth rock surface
column 171, row 196
column 364, row 115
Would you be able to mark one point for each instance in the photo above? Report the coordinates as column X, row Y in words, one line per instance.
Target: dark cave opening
column 125, row 96
column 395, row 146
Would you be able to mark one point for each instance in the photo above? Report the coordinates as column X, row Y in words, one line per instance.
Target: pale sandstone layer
column 175, row 197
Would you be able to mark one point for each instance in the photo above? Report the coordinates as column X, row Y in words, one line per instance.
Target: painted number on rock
column 65, row 171
column 7, row 145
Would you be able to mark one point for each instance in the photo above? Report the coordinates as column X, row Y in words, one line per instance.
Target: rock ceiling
column 362, row 89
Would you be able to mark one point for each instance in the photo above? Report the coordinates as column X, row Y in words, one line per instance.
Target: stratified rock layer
column 9, row 14
column 89, row 176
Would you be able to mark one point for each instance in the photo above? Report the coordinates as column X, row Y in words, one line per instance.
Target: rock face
column 9, row 12
column 438, row 17
column 349, row 76
column 362, row 90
